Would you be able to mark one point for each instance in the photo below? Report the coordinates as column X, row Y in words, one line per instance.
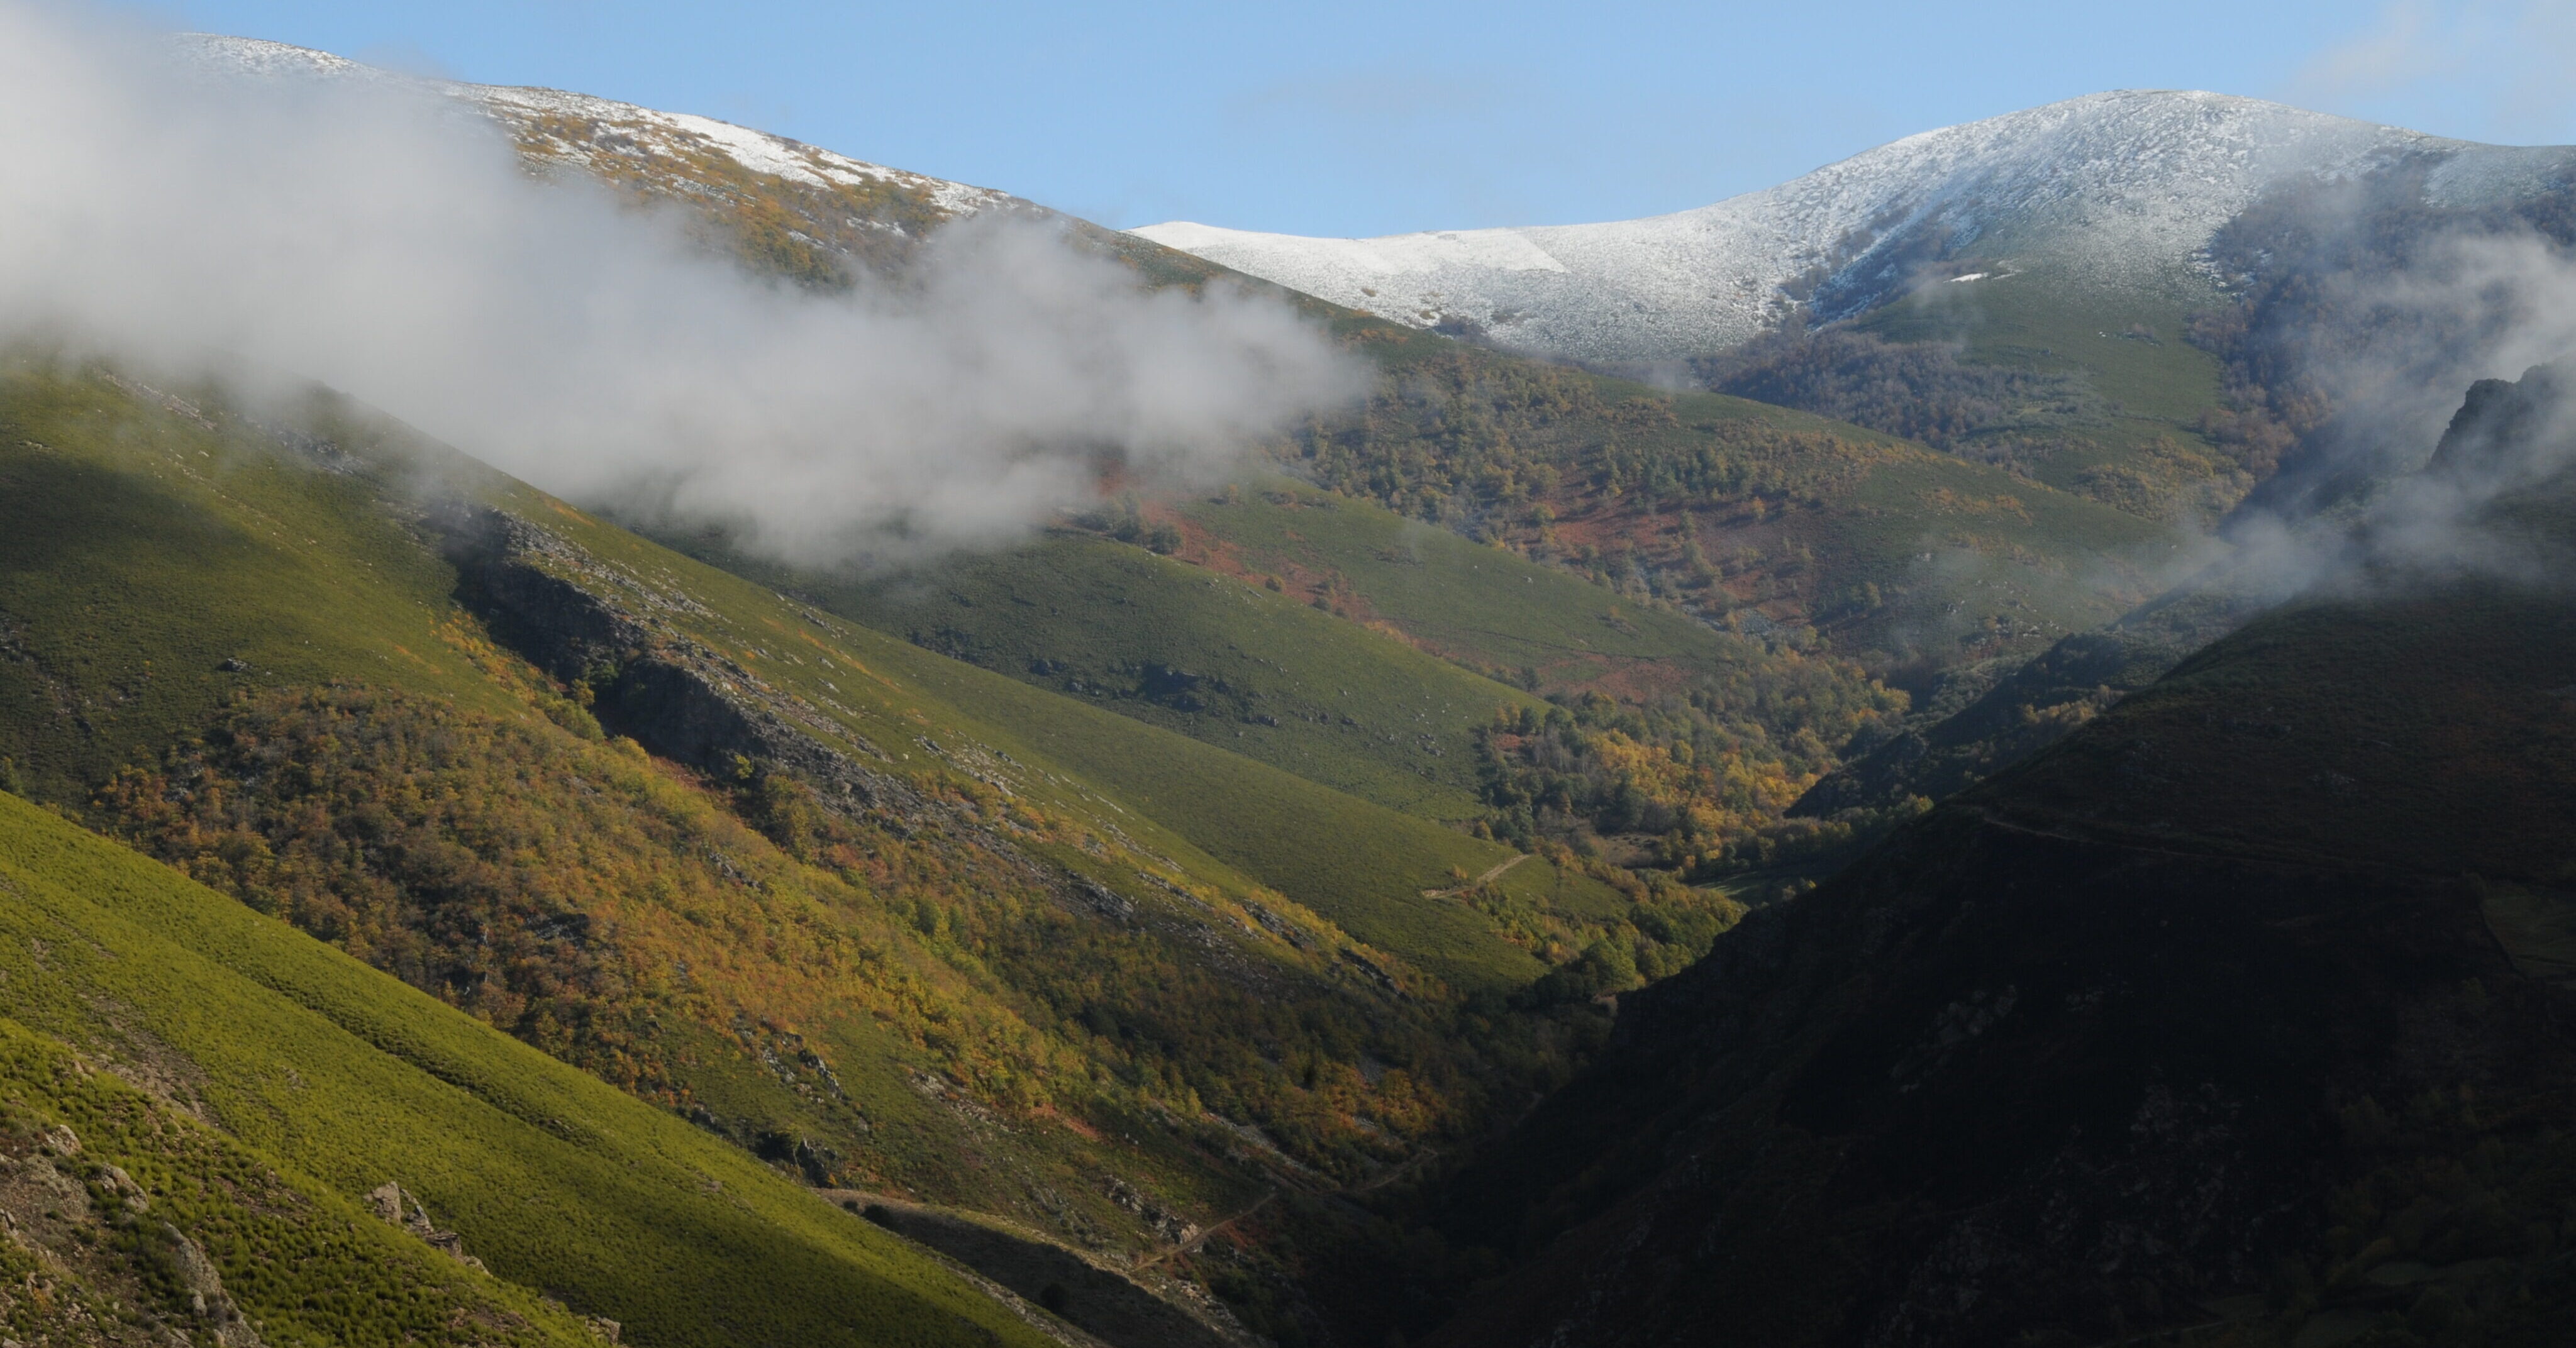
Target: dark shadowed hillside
column 2241, row 1010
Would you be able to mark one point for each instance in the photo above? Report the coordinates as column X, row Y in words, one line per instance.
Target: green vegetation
column 1364, row 868
column 154, row 568
column 1061, row 958
column 322, row 1067
column 1490, row 609
column 1232, row 664
column 114, row 1195
column 1906, row 559
column 1971, row 374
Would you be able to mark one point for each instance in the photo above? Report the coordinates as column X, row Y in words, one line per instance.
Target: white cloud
column 385, row 243
column 2473, row 68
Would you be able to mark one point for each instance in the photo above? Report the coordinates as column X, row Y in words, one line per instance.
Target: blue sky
column 1326, row 117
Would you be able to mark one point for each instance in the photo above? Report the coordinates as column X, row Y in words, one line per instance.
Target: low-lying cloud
column 381, row 239
column 2380, row 506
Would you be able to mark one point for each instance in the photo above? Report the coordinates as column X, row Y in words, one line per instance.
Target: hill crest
column 634, row 133
column 2119, row 188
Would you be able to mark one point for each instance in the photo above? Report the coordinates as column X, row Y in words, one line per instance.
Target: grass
column 2145, row 454
column 1228, row 663
column 298, row 1260
column 1482, row 606
column 1360, row 865
column 335, row 1071
column 133, row 578
column 430, row 799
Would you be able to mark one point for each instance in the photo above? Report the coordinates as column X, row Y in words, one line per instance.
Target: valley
column 1915, row 758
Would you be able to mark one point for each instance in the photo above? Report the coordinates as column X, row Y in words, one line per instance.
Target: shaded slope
column 2197, row 1006
column 2027, row 709
column 2499, row 430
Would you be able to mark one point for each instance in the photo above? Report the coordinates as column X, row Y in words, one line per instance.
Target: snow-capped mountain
column 618, row 139
column 2119, row 189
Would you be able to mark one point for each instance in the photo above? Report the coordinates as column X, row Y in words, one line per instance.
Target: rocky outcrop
column 205, row 1290
column 593, row 622
column 585, row 620
column 394, row 1204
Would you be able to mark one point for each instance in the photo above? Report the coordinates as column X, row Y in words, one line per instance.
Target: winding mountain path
column 1480, row 881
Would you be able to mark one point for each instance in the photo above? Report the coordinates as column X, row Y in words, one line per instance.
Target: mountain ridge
column 522, row 106
column 2120, row 188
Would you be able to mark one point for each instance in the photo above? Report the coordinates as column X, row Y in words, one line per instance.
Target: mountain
column 1198, row 918
column 2113, row 191
column 876, row 918
column 2240, row 1010
column 218, row 1126
column 1717, row 511
column 815, row 202
column 2155, row 300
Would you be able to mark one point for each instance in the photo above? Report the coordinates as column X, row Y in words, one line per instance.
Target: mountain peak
column 607, row 130
column 2120, row 189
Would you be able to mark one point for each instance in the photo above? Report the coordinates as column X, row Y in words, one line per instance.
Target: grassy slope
column 557, row 1181
column 136, row 571
column 1797, row 516
column 2129, row 346
column 1231, row 664
column 142, row 553
column 1479, row 605
column 185, row 540
column 87, row 1263
column 1358, row 864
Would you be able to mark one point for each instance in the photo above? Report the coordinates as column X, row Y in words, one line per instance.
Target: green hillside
column 1481, row 606
column 317, row 1066
column 1230, row 663
column 1360, row 865
column 1355, row 673
column 150, row 583
column 1902, row 556
column 2100, row 389
column 877, row 917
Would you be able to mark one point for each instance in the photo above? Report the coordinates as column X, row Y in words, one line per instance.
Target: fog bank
column 383, row 239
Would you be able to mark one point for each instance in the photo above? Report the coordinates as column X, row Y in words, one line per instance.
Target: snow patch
column 664, row 134
column 2118, row 190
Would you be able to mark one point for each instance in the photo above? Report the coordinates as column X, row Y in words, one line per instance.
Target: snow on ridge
column 661, row 133
column 2117, row 189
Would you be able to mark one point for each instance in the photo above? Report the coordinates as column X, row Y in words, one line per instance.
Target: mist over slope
column 167, row 208
column 2118, row 189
